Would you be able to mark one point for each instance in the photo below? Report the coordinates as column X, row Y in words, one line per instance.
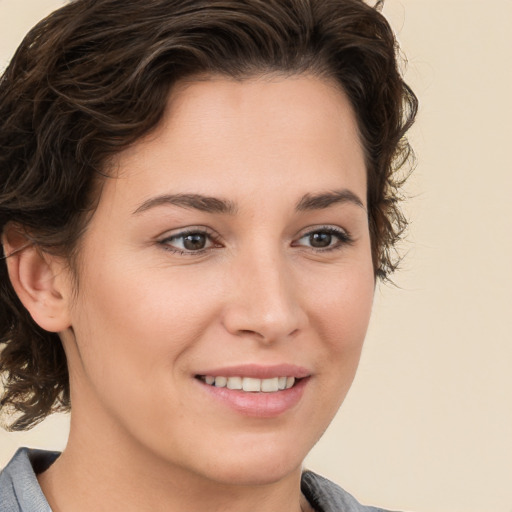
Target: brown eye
column 324, row 239
column 320, row 239
column 194, row 242
column 189, row 242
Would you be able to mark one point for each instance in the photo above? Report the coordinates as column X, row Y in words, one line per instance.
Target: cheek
column 343, row 307
column 140, row 317
column 134, row 331
column 341, row 319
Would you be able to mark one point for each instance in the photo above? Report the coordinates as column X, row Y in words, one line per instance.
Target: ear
column 40, row 280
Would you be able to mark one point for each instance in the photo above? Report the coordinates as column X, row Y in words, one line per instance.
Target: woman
column 196, row 200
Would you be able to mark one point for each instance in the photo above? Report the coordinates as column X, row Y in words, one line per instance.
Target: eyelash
column 343, row 237
column 165, row 243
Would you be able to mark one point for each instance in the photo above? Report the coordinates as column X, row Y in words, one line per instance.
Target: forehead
column 225, row 136
column 252, row 102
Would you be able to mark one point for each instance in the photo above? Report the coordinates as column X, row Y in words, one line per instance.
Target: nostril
column 250, row 332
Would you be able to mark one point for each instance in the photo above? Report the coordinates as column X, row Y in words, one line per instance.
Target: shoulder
column 19, row 488
column 326, row 496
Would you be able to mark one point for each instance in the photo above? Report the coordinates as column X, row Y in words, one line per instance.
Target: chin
column 263, row 474
column 263, row 464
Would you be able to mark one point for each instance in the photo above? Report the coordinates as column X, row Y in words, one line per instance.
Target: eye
column 324, row 238
column 189, row 242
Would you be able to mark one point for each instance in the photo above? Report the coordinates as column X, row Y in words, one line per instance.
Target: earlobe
column 38, row 280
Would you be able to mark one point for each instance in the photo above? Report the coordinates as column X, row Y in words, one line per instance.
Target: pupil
column 320, row 239
column 194, row 242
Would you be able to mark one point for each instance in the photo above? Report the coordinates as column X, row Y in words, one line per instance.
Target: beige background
column 427, row 426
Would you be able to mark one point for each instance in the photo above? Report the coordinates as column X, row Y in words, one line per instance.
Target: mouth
column 254, row 390
column 250, row 384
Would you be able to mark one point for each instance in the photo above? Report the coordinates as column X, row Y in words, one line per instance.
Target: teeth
column 234, row 383
column 270, row 385
column 250, row 384
column 220, row 382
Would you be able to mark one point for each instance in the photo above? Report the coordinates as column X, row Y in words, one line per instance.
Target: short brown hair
column 94, row 76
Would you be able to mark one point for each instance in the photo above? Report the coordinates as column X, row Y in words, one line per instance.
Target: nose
column 264, row 300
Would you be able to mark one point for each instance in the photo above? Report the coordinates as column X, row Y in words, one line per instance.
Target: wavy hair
column 95, row 76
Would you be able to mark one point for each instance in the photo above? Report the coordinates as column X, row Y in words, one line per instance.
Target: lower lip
column 258, row 405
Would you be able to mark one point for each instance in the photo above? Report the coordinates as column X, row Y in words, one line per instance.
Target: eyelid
column 165, row 240
column 344, row 237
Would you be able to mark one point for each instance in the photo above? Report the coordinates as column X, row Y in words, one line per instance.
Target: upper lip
column 257, row 371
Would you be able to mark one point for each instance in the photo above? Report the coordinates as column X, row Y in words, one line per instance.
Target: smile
column 249, row 384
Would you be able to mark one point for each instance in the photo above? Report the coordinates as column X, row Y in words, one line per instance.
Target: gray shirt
column 20, row 491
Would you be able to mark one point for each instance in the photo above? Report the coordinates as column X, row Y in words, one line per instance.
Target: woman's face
column 231, row 250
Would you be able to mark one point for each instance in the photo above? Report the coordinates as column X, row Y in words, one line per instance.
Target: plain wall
column 427, row 425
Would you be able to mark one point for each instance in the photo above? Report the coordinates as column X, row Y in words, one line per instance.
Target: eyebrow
column 327, row 199
column 210, row 204
column 195, row 201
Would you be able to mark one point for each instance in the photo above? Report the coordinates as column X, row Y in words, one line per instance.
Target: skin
column 145, row 434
